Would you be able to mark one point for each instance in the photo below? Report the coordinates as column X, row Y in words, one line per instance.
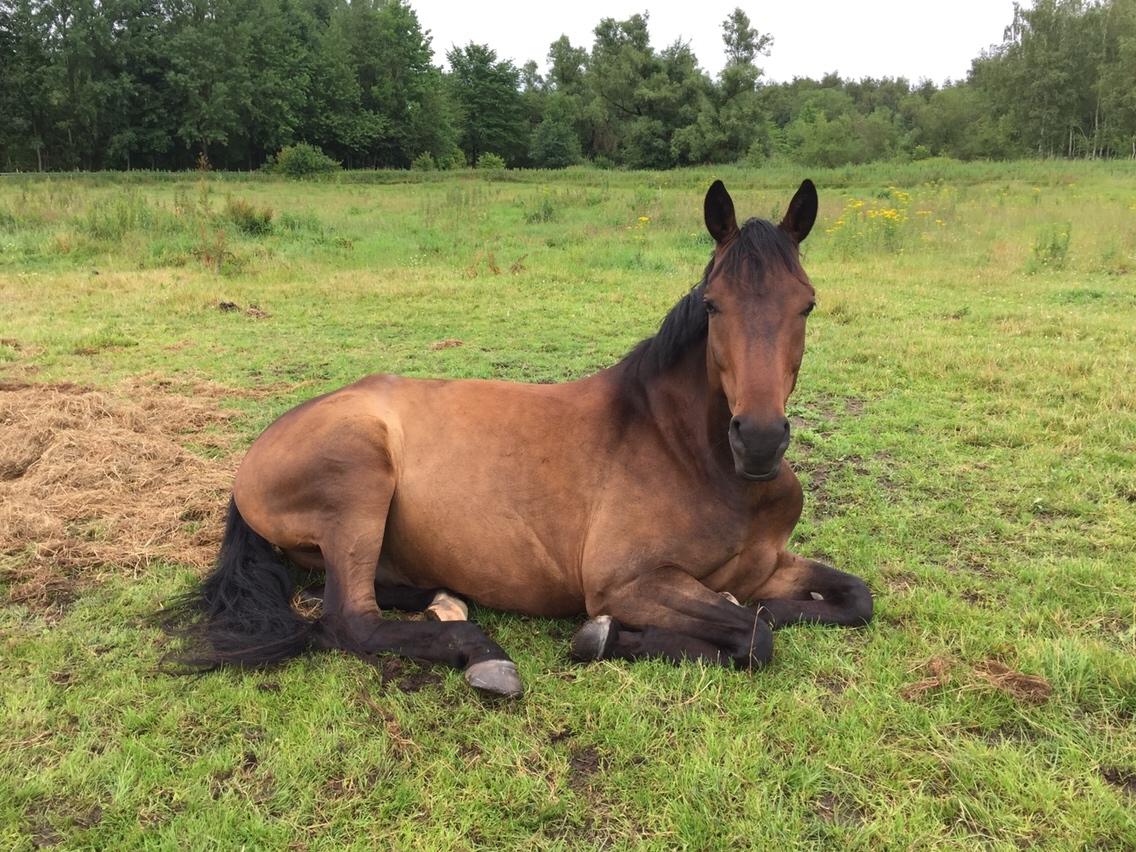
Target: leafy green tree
column 730, row 122
column 743, row 42
column 208, row 78
column 489, row 103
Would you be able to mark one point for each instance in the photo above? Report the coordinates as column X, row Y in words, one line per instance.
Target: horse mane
column 759, row 245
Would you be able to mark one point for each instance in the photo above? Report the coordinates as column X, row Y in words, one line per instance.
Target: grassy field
column 965, row 426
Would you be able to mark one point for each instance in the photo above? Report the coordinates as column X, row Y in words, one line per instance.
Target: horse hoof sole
column 593, row 639
column 496, row 677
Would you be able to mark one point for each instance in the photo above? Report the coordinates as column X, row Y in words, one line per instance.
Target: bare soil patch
column 98, row 483
column 1121, row 778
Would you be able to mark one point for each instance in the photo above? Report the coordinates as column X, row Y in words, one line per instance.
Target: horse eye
column 809, row 309
column 711, row 308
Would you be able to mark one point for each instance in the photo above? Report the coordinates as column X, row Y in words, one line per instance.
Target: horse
column 652, row 496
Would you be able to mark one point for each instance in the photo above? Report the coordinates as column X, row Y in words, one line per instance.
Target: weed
column 541, row 212
column 1050, row 249
column 212, row 249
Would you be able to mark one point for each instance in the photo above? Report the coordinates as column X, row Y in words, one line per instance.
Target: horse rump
column 240, row 614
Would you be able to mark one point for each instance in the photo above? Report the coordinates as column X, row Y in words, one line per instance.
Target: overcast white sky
column 857, row 38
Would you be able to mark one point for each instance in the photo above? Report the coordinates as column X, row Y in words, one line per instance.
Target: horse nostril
column 735, row 426
column 785, row 421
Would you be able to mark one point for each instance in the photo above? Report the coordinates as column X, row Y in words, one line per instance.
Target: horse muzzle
column 758, row 448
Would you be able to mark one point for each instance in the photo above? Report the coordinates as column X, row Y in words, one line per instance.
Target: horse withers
column 652, row 496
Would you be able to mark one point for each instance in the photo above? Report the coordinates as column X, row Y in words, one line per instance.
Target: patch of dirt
column 820, row 412
column 1122, row 779
column 95, row 483
column 583, row 762
column 446, row 343
column 402, row 674
column 253, row 310
column 898, row 580
column 838, row 810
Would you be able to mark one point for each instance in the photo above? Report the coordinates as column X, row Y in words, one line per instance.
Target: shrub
column 454, row 160
column 490, row 161
column 248, row 218
column 554, row 145
column 424, row 162
column 301, row 160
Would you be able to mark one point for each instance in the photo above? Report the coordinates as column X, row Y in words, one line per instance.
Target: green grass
column 966, row 429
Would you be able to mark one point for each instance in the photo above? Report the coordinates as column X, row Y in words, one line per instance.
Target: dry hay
column 1027, row 688
column 96, row 483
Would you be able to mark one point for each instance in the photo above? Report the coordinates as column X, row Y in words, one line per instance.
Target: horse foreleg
column 669, row 614
column 802, row 591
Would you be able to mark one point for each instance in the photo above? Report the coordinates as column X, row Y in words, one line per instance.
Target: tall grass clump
column 247, row 217
column 110, row 219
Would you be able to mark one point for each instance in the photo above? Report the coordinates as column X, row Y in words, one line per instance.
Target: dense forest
column 170, row 84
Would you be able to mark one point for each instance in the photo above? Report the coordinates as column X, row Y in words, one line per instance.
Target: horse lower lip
column 761, row 477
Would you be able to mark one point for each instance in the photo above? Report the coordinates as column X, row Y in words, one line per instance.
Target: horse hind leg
column 447, row 607
column 435, row 604
column 352, row 621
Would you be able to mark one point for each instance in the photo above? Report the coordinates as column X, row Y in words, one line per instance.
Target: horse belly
column 483, row 551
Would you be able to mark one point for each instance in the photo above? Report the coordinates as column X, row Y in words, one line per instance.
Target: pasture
column 964, row 426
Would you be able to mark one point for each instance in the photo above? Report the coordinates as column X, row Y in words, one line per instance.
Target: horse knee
column 754, row 649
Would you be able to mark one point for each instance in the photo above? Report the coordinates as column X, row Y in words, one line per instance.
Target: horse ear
column 718, row 208
column 802, row 213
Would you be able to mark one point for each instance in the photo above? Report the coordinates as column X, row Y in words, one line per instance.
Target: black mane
column 758, row 247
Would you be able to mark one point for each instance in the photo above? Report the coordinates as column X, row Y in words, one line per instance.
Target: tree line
column 170, row 84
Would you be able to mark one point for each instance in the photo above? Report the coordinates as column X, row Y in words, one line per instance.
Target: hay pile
column 95, row 483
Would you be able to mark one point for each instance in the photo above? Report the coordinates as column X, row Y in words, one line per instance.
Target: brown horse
column 651, row 495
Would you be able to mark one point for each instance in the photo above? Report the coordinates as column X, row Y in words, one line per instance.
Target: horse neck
column 687, row 412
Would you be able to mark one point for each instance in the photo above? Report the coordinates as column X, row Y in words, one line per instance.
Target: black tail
column 241, row 614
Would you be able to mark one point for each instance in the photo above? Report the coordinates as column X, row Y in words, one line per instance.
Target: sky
column 916, row 39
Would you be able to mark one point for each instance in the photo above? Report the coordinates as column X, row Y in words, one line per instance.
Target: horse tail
column 240, row 614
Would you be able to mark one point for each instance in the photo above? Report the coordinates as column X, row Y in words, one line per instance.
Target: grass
column 966, row 429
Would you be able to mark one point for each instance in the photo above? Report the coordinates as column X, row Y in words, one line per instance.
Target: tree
column 491, row 110
column 743, row 42
column 554, row 141
column 208, row 77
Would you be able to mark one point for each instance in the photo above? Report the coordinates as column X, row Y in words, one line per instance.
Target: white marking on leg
column 447, row 607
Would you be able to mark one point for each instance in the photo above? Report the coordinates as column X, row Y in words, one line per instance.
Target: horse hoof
column 446, row 607
column 593, row 640
column 496, row 677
